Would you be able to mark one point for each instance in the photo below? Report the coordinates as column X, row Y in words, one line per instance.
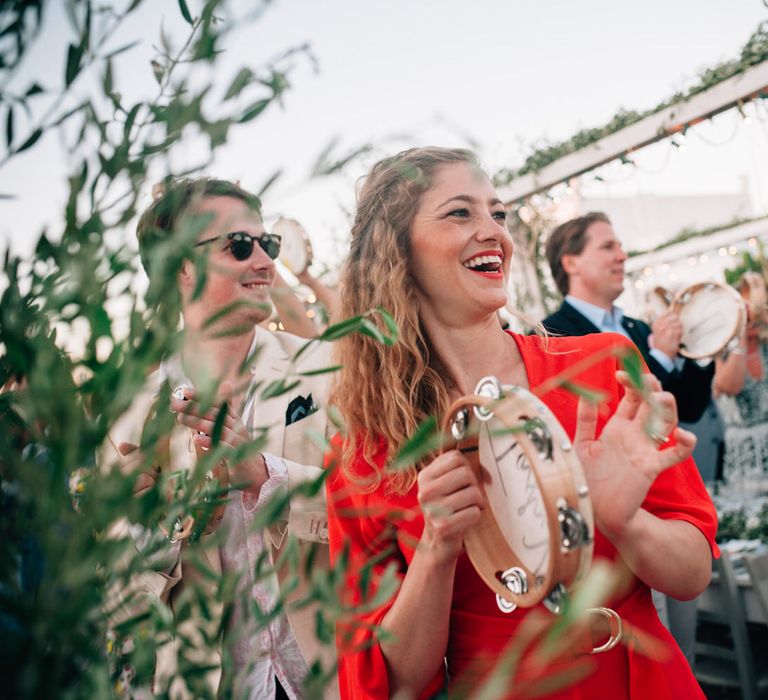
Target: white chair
column 757, row 565
column 727, row 658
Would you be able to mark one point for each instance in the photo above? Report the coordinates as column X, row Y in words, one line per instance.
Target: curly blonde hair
column 384, row 393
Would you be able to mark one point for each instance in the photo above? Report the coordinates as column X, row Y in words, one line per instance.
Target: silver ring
column 659, row 439
column 178, row 392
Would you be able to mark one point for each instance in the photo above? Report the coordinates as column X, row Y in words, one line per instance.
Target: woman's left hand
column 249, row 474
column 623, row 463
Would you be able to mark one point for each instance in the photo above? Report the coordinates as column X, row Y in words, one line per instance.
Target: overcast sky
column 498, row 75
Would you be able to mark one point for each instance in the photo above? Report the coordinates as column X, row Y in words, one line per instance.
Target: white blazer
column 299, row 446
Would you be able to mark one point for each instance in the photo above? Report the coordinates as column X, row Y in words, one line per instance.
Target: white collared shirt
column 610, row 321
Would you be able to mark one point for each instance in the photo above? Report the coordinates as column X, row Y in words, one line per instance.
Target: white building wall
column 647, row 220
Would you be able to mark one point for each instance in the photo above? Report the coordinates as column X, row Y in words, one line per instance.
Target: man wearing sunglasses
column 224, row 278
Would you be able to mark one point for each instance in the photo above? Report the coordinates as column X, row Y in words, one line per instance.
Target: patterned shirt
column 258, row 641
column 259, row 645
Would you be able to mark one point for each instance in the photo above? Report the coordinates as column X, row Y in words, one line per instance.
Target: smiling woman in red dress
column 430, row 244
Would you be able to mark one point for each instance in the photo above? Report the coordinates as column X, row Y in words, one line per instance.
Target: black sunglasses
column 241, row 244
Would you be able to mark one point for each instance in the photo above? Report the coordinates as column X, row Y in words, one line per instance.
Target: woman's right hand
column 451, row 502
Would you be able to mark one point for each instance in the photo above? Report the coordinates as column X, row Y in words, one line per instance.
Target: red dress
column 387, row 526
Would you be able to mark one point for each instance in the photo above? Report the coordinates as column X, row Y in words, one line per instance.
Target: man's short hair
column 569, row 239
column 160, row 220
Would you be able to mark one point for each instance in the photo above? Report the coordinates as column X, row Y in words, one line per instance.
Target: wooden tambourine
column 535, row 540
column 713, row 317
column 295, row 247
column 657, row 302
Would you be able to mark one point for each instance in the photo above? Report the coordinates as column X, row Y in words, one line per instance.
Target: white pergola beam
column 695, row 245
column 725, row 95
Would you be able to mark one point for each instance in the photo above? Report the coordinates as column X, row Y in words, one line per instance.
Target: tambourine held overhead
column 535, row 540
column 295, row 246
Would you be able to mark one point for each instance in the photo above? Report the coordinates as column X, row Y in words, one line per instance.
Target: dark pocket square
column 300, row 407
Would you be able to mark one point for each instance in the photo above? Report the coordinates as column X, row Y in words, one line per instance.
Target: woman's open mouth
column 488, row 263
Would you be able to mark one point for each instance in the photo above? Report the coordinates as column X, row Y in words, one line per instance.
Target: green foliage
column 73, row 623
column 424, row 441
column 20, row 22
column 376, row 323
column 738, row 525
column 632, row 364
column 589, row 395
column 79, row 537
column 749, row 263
column 543, row 641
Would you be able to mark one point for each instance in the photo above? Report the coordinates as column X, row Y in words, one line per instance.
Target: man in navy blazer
column 587, row 263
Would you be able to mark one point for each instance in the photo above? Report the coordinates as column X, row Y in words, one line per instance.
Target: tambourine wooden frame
column 735, row 329
column 561, row 482
column 659, row 299
column 294, row 228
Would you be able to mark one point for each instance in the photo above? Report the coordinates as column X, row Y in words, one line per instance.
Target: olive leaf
column 424, row 441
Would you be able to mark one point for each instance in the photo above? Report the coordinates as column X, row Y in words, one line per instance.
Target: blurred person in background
column 680, row 616
column 587, row 263
column 291, row 310
column 745, row 411
column 266, row 655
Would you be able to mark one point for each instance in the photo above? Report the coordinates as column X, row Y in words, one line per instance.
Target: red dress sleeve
column 679, row 492
column 373, row 533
